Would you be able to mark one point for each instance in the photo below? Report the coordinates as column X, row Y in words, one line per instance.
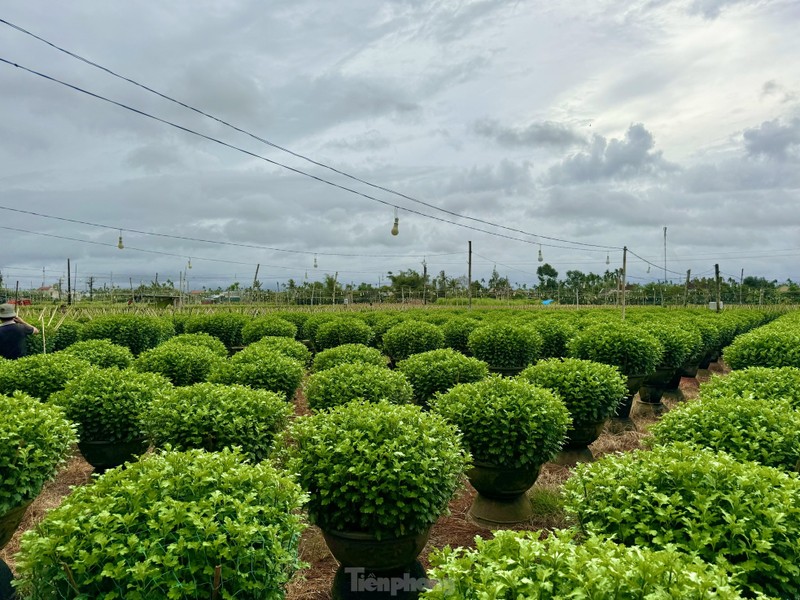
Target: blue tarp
column 546, row 302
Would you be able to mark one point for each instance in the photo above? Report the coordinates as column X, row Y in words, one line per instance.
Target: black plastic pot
column 501, row 498
column 104, row 455
column 576, row 447
column 633, row 384
column 363, row 550
column 10, row 521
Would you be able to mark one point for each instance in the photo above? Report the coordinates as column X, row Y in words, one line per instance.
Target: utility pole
column 624, row 276
column 90, row 281
column 469, row 276
column 665, row 255
column 69, row 284
column 130, row 282
column 686, row 289
column 741, row 282
column 716, row 276
column 424, row 281
column 255, row 277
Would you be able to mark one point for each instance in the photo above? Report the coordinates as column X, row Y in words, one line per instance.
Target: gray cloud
column 711, row 9
column 773, row 89
column 537, row 134
column 774, row 139
column 628, row 158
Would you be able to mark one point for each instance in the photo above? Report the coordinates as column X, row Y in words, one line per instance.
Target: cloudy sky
column 513, row 123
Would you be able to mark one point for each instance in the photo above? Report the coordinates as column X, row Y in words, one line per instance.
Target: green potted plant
column 40, row 375
column 411, row 337
column 555, row 334
column 678, row 345
column 740, row 515
column 182, row 364
column 762, row 383
column 518, row 564
column 511, row 428
column 35, row 440
column 770, row 346
column 592, row 392
column 271, row 325
column 226, row 327
column 456, row 333
column 439, row 370
column 746, row 428
column 136, row 332
column 261, row 368
column 107, row 405
column 635, row 352
column 101, row 353
column 350, row 381
column 506, row 348
column 213, row 416
column 378, row 476
column 199, row 339
column 342, row 330
column 191, row 524
column 348, row 353
column 283, row 345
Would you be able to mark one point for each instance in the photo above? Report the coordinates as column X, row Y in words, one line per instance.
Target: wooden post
column 686, row 289
column 716, row 276
column 469, row 276
column 624, row 276
column 69, row 284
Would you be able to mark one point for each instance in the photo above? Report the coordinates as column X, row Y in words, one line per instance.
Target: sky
column 575, row 128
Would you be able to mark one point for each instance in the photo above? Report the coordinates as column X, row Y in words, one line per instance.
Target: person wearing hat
column 13, row 332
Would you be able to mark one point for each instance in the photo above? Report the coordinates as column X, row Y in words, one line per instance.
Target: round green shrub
column 160, row 527
column 101, row 353
column 182, row 364
column 108, row 404
column 283, row 345
column 348, row 353
column 439, row 370
column 555, row 336
column 200, row 339
column 741, row 515
column 505, row 422
column 412, row 337
column 260, row 368
column 41, row 374
column 746, row 428
column 213, row 416
column 179, row 322
column 273, row 326
column 313, row 322
column 505, row 346
column 678, row 344
column 226, row 327
column 342, row 331
column 55, row 337
column 356, row 381
column 35, row 439
column 634, row 351
column 383, row 469
column 761, row 383
column 765, row 347
column 517, row 564
column 456, row 333
column 298, row 319
column 136, row 332
column 592, row 391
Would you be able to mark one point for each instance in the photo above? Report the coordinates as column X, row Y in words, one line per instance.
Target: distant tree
column 548, row 277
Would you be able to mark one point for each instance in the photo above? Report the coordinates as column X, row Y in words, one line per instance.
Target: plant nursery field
column 360, row 454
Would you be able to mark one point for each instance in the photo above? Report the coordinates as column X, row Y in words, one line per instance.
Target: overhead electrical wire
column 284, row 149
column 218, row 242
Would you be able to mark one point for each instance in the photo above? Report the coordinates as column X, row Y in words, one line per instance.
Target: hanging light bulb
column 315, row 261
column 189, row 264
column 119, row 243
column 608, row 259
column 541, row 258
column 648, row 268
column 395, row 227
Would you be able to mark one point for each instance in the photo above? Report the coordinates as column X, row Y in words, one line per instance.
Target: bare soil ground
column 454, row 529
